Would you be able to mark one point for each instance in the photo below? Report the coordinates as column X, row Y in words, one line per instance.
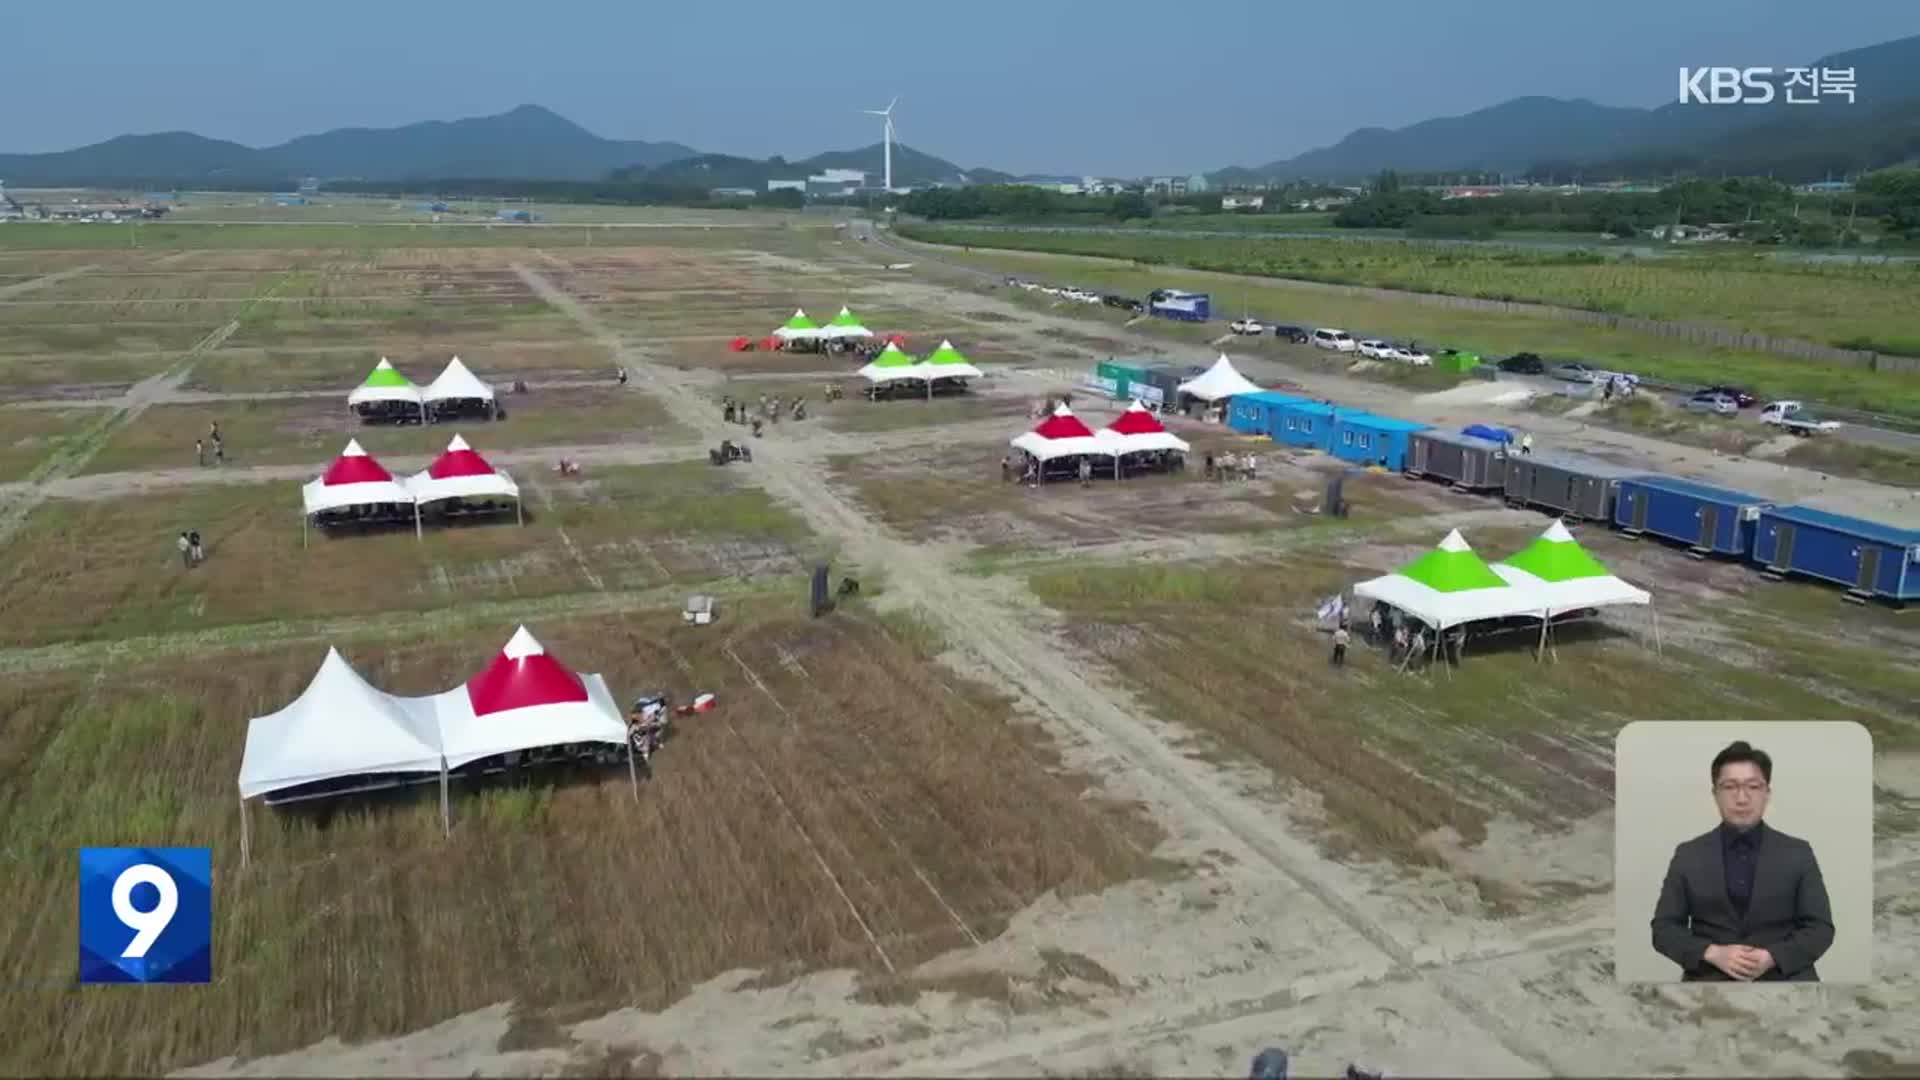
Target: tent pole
column 519, row 512
column 446, row 818
column 246, row 851
column 303, row 529
column 633, row 775
column 1540, row 651
column 417, row 532
column 1654, row 610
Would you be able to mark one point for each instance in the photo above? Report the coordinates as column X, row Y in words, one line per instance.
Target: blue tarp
column 1492, row 434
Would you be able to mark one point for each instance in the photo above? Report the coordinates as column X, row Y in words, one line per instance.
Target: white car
column 1409, row 356
column 1247, row 326
column 1375, row 348
column 1327, row 337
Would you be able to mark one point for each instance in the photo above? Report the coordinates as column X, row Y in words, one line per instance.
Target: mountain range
column 910, row 166
column 1524, row 132
column 525, row 143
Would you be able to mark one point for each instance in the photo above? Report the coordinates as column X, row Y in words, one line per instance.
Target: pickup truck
column 1792, row 417
column 1247, row 327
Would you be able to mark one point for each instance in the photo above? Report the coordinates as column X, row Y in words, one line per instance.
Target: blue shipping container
column 1306, row 424
column 1186, row 306
column 1702, row 516
column 1372, row 440
column 1865, row 556
column 1257, row 414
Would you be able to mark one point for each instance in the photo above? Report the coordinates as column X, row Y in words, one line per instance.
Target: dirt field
column 1069, row 789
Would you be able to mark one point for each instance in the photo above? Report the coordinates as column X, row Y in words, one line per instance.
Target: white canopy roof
column 1221, row 380
column 456, row 383
column 339, row 726
column 1451, row 585
column 1137, row 430
column 844, row 326
column 464, row 474
column 793, row 333
column 366, row 393
column 1062, row 435
column 483, row 717
column 354, row 479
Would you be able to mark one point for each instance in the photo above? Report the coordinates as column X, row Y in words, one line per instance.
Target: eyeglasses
column 1751, row 787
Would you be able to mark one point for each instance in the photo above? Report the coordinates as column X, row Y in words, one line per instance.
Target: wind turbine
column 886, row 137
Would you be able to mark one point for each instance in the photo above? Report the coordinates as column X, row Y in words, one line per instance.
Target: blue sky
column 1116, row 87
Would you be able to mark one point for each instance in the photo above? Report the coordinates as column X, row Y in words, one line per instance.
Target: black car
column 1525, row 363
column 1296, row 334
column 1742, row 398
column 1121, row 302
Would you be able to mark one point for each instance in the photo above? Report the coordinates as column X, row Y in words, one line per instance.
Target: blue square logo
column 146, row 915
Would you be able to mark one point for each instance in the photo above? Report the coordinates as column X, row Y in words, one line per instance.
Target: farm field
column 1853, row 306
column 1065, row 786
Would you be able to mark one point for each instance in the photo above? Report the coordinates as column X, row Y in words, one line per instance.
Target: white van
column 1337, row 340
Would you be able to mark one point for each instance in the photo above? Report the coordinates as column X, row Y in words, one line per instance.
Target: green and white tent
column 1451, row 585
column 798, row 328
column 947, row 362
column 893, row 365
column 844, row 325
column 384, row 383
column 1558, row 568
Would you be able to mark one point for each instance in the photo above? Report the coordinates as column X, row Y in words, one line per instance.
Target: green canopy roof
column 1452, row 567
column 845, row 318
column 1556, row 556
column 385, row 374
column 894, row 356
column 946, row 354
column 800, row 321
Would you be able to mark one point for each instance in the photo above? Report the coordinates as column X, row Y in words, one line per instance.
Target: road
column 1866, row 434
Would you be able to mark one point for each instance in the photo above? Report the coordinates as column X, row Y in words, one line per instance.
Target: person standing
column 200, row 451
column 1006, row 468
column 219, row 451
column 1340, row 640
column 1086, row 471
column 196, row 553
column 186, row 552
column 1526, row 443
column 1743, row 902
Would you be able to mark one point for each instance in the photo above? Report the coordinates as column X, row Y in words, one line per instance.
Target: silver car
column 1717, row 404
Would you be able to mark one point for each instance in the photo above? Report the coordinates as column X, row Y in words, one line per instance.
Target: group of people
column 213, row 441
column 1229, row 466
column 192, row 554
column 647, row 724
column 767, row 411
column 1409, row 641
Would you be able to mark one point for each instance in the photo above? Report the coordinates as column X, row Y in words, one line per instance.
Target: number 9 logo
column 149, row 925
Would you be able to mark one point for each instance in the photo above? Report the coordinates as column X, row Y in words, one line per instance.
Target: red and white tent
column 461, row 473
column 355, row 479
column 524, row 699
column 1062, row 435
column 1137, row 430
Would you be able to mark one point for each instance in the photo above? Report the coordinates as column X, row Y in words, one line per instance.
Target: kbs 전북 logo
column 146, row 915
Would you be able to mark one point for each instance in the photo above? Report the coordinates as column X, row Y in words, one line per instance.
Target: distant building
column 787, row 185
column 842, row 177
column 1170, row 186
column 309, row 186
column 1473, row 191
column 1196, row 184
column 1325, row 202
column 1093, row 185
column 732, row 193
column 1242, row 202
column 1828, row 187
column 290, row 200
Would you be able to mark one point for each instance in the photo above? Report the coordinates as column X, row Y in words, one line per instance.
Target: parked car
column 1575, row 371
column 1407, row 354
column 1742, row 398
column 1296, row 334
column 1251, row 327
column 1794, row 418
column 1374, row 347
column 1707, row 401
column 1122, row 302
column 1525, row 363
column 1327, row 337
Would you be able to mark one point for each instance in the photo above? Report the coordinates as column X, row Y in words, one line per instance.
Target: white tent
column 384, row 383
column 844, row 326
column 1450, row 585
column 1221, row 380
column 947, row 362
column 525, row 699
column 798, row 328
column 461, row 473
column 1560, row 570
column 456, row 383
column 1137, row 430
column 340, row 725
column 893, row 364
column 354, row 479
column 1062, row 435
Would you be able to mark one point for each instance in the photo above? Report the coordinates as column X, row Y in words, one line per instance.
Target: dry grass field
column 1070, row 788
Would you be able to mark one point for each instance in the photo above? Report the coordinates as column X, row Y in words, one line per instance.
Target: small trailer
column 1466, row 461
column 1709, row 520
column 1564, row 483
column 1868, row 558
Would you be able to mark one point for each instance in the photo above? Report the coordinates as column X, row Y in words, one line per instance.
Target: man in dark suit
column 1744, row 902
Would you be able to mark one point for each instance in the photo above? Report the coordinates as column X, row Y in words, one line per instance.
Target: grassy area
column 1411, row 754
column 286, row 235
column 31, row 436
column 1853, row 459
column 1487, row 334
column 309, row 367
column 1658, row 419
column 313, row 430
column 1853, row 305
column 774, row 834
column 99, row 570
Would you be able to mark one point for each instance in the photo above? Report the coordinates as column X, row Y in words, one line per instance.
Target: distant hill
column 1516, row 135
column 910, row 166
column 526, row 143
